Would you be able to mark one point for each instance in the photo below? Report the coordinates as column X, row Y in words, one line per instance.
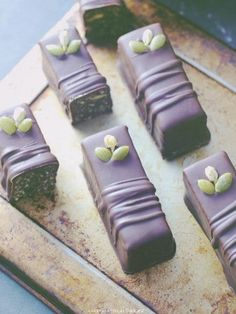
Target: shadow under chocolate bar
column 164, row 96
column 75, row 79
column 104, row 21
column 128, row 206
column 28, row 168
column 216, row 213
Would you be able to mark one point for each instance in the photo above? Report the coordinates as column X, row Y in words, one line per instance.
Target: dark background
column 217, row 17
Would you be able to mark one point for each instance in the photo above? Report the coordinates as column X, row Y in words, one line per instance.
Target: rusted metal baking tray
column 80, row 272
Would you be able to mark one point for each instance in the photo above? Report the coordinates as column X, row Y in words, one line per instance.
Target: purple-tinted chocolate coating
column 164, row 96
column 128, row 206
column 71, row 76
column 22, row 152
column 216, row 213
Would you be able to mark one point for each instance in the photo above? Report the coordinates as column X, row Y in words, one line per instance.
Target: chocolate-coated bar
column 211, row 198
column 28, row 168
column 73, row 75
column 104, row 21
column 164, row 96
column 126, row 200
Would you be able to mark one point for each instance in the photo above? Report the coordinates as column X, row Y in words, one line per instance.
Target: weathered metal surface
column 51, row 266
column 195, row 270
column 193, row 281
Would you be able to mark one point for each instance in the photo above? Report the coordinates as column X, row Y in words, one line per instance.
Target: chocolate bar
column 164, row 96
column 104, row 21
column 211, row 198
column 126, row 200
column 73, row 75
column 28, row 168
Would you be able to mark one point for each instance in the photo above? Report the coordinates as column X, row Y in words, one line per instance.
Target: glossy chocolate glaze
column 164, row 96
column 216, row 213
column 71, row 76
column 128, row 206
column 22, row 152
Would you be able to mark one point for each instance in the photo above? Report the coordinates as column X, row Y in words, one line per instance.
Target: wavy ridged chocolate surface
column 73, row 76
column 127, row 204
column 130, row 202
column 85, row 81
column 215, row 213
column 164, row 96
column 22, row 153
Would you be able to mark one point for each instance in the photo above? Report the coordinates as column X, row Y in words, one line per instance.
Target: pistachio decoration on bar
column 120, row 153
column 111, row 151
column 206, row 186
column 110, row 142
column 211, row 174
column 66, row 46
column 19, row 122
column 25, row 125
column 103, row 153
column 149, row 42
column 215, row 184
column 224, row 182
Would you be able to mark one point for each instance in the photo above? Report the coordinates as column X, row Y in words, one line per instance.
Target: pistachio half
column 211, row 174
column 64, row 39
column 25, row 125
column 120, row 153
column 55, row 50
column 206, row 186
column 138, row 46
column 19, row 115
column 103, row 153
column 110, row 142
column 74, row 46
column 147, row 36
column 8, row 125
column 157, row 42
column 224, row 182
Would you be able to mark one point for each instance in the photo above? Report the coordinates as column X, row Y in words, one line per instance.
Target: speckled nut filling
column 106, row 23
column 90, row 105
column 34, row 184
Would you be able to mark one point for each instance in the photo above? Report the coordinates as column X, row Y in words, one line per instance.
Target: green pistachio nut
column 138, row 46
column 211, row 174
column 157, row 42
column 147, row 36
column 55, row 50
column 19, row 115
column 64, row 39
column 110, row 142
column 104, row 154
column 224, row 182
column 206, row 186
column 120, row 153
column 74, row 46
column 7, row 125
column 25, row 125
